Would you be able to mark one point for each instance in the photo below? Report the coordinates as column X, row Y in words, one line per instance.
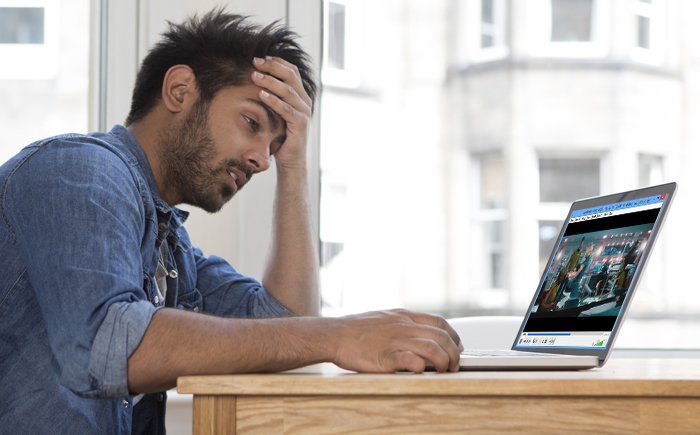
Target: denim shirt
column 81, row 223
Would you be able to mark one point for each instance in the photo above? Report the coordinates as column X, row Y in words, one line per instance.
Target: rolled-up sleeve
column 117, row 338
column 77, row 215
column 225, row 292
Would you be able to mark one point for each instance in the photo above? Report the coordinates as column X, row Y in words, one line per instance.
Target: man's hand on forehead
column 283, row 91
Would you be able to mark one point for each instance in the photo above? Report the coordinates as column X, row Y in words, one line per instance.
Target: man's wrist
column 292, row 177
column 291, row 169
column 329, row 336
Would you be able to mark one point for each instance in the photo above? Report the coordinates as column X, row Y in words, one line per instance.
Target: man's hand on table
column 395, row 340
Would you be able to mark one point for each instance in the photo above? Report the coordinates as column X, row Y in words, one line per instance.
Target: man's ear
column 179, row 88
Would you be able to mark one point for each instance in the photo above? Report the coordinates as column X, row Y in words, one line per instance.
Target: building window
column 649, row 40
column 643, row 30
column 482, row 27
column 44, row 78
column 650, row 170
column 336, row 35
column 569, row 28
column 492, row 189
column 21, row 25
column 342, row 43
column 568, row 179
column 487, row 24
column 490, row 220
column 571, row 20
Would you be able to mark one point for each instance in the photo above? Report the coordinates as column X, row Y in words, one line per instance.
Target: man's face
column 218, row 147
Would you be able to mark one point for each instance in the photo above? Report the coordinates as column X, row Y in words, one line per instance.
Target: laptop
column 587, row 286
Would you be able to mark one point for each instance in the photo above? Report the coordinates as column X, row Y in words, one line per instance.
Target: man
column 101, row 290
column 577, row 275
column 572, row 264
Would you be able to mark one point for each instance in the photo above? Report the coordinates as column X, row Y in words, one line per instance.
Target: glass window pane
column 643, row 30
column 486, row 41
column 495, row 255
column 487, row 11
column 650, row 172
column 336, row 37
column 492, row 188
column 21, row 25
column 571, row 20
column 566, row 180
column 32, row 108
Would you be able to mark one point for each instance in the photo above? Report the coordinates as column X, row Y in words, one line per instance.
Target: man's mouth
column 239, row 178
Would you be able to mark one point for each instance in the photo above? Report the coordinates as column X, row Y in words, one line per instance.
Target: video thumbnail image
column 591, row 273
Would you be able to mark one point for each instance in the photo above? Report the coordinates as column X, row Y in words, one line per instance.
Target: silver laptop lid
column 593, row 272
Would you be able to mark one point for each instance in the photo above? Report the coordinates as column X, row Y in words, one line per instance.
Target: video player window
column 589, row 277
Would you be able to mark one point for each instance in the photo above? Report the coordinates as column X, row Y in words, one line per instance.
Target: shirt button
column 173, row 274
column 126, row 403
column 162, row 227
column 160, row 397
column 155, row 299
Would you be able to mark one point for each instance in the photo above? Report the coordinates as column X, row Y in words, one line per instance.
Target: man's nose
column 258, row 159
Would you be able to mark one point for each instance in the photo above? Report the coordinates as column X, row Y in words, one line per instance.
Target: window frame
column 541, row 45
column 655, row 55
column 485, row 290
column 469, row 46
column 351, row 75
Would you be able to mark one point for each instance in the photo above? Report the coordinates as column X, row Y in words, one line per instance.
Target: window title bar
column 607, row 209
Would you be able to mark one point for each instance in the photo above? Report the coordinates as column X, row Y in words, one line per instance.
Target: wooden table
column 627, row 396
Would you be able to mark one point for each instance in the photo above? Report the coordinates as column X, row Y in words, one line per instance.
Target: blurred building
column 456, row 133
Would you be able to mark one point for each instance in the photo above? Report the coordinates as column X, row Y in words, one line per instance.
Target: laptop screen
column 589, row 275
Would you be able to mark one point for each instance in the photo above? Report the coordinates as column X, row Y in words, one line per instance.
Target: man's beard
column 185, row 151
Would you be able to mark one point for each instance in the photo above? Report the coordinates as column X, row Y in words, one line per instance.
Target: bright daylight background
column 454, row 133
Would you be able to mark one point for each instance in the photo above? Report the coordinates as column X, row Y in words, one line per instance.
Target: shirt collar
column 125, row 137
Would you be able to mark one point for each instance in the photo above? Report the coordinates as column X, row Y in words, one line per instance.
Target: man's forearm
column 291, row 272
column 179, row 343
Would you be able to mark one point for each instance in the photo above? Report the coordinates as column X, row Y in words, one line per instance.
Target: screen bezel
column 669, row 190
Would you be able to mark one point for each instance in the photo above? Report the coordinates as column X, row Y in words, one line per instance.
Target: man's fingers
column 435, row 353
column 435, row 321
column 282, row 90
column 431, row 343
column 284, row 72
column 406, row 360
column 282, row 108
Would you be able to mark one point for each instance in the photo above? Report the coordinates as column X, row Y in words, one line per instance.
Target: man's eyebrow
column 271, row 116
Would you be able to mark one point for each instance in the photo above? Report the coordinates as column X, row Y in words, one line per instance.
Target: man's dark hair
column 219, row 47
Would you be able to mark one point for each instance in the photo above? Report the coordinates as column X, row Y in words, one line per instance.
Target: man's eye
column 252, row 123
